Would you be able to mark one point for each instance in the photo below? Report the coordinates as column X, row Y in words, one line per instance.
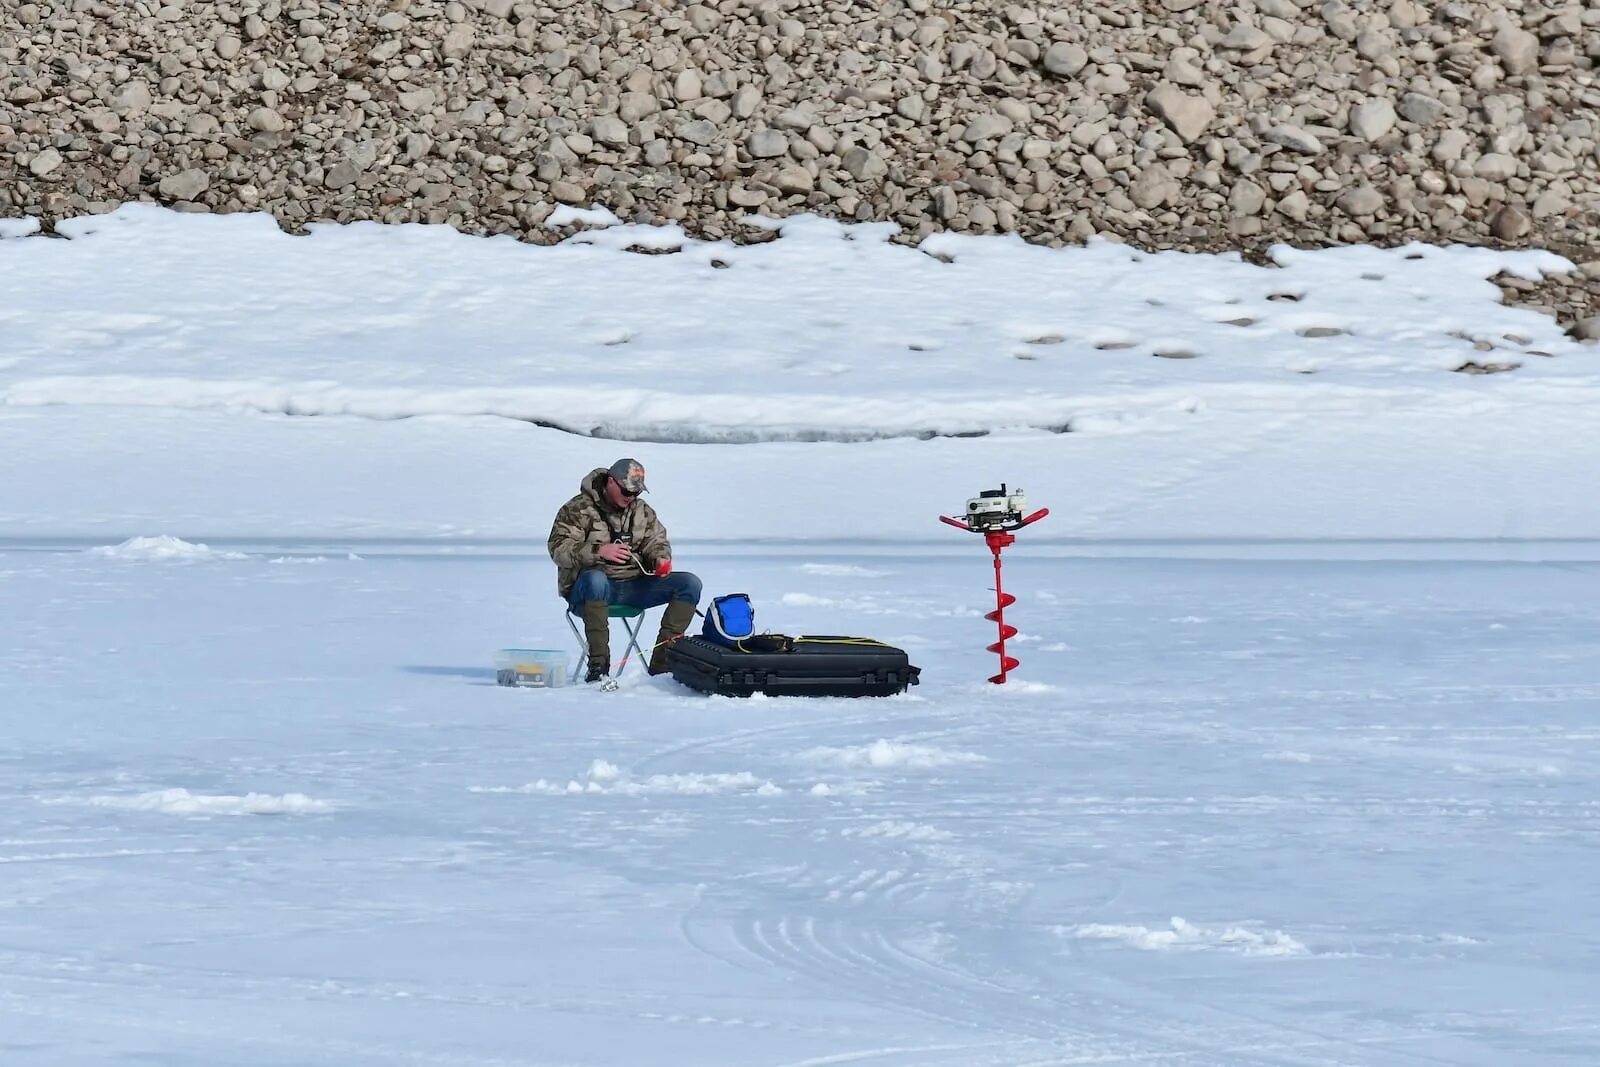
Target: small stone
column 567, row 192
column 986, row 127
column 1065, row 59
column 265, row 119
column 864, row 165
column 1245, row 38
column 185, row 185
column 1510, row 223
column 1373, row 119
column 1517, row 49
column 1295, row 206
column 1451, row 145
column 635, row 106
column 945, row 203
column 1295, row 138
column 1420, row 108
column 1153, row 187
column 1550, row 203
column 132, row 96
column 417, row 101
column 340, row 175
column 228, row 46
column 458, row 42
column 767, row 144
column 1495, row 167
column 44, row 163
column 1246, row 198
column 747, row 198
column 609, row 130
column 745, row 101
column 792, row 180
column 799, row 119
column 1186, row 115
column 699, row 132
column 688, row 86
column 1588, row 329
column 1360, row 200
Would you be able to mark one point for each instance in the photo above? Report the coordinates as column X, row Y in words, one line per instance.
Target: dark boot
column 597, row 634
column 675, row 620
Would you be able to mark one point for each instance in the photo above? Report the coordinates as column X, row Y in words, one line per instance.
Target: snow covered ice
column 1298, row 769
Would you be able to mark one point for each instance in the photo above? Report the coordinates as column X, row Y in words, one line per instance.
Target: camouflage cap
column 629, row 474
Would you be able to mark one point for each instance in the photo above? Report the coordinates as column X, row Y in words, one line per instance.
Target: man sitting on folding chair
column 611, row 551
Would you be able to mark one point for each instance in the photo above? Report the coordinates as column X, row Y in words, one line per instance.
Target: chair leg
column 583, row 646
column 633, row 626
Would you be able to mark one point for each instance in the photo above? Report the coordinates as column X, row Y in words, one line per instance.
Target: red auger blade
column 994, row 616
column 1005, row 635
column 1005, row 600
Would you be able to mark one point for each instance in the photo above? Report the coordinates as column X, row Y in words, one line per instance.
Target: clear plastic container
column 538, row 668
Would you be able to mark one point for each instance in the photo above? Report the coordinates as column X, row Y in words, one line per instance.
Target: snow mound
column 566, row 215
column 900, row 830
column 183, row 802
column 604, row 778
column 841, row 570
column 1184, row 936
column 18, row 227
column 164, row 547
column 885, row 753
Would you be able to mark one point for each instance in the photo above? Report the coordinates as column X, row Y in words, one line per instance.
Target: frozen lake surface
column 264, row 806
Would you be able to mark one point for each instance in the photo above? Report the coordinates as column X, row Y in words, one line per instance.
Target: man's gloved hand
column 616, row 552
column 663, row 568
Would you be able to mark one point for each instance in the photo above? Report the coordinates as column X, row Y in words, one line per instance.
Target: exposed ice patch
column 164, row 547
column 1184, row 936
column 183, row 802
column 885, row 753
column 1288, row 757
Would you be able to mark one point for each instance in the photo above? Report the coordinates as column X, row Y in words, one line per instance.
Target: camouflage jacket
column 588, row 521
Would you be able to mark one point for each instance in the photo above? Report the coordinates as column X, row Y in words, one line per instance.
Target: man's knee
column 686, row 586
column 591, row 585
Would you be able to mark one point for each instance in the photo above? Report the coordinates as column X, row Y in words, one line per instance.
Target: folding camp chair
column 632, row 622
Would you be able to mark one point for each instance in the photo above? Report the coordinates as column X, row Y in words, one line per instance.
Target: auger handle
column 1035, row 517
column 957, row 523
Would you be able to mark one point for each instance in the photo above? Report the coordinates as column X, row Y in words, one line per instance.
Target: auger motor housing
column 997, row 509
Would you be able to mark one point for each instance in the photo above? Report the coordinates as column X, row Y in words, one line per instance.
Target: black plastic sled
column 810, row 667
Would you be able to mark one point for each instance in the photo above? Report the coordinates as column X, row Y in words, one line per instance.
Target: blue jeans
column 640, row 592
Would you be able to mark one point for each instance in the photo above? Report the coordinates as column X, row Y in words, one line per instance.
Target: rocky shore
column 1187, row 124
